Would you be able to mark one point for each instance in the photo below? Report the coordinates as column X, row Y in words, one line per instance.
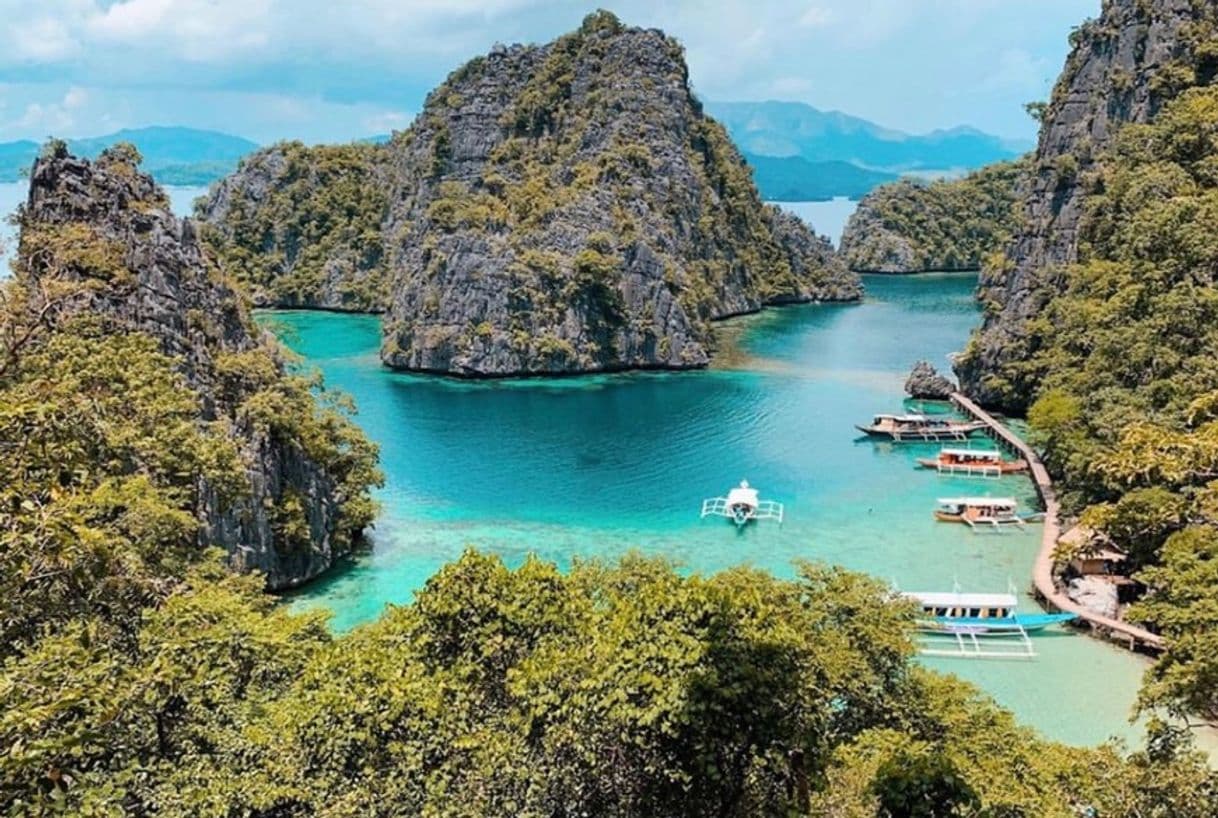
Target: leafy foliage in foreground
column 1127, row 359
column 608, row 690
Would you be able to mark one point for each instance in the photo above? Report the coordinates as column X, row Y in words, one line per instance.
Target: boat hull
column 944, row 434
column 1030, row 623
column 1011, row 467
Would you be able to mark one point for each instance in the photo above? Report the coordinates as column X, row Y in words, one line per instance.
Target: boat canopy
column 988, row 502
column 976, row 454
column 951, row 599
column 904, row 418
column 742, row 495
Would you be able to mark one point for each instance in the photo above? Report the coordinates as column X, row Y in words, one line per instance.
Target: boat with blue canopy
column 982, row 626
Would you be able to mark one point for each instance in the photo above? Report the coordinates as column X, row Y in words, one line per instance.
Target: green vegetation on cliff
column 557, row 208
column 1126, row 359
column 305, row 227
column 911, row 226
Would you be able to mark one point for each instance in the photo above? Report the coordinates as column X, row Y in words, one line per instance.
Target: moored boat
column 919, row 428
column 987, row 512
column 978, row 626
column 986, row 613
column 742, row 505
column 972, row 462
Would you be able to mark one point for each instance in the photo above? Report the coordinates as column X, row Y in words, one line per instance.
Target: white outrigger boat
column 741, row 505
column 919, row 428
column 991, row 513
column 972, row 463
column 982, row 626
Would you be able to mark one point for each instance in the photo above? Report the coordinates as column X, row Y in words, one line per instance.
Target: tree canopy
column 1127, row 362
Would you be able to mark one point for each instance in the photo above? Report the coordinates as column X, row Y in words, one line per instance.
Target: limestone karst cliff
column 301, row 226
column 1122, row 67
column 914, row 227
column 554, row 209
column 98, row 241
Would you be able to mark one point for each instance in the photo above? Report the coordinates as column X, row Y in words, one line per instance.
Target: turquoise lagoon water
column 595, row 466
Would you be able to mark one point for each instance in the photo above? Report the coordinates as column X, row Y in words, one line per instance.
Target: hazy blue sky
column 328, row 70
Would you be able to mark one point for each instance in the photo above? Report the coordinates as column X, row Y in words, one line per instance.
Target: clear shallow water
column 594, row 466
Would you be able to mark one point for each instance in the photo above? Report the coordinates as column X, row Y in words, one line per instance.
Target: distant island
column 173, row 155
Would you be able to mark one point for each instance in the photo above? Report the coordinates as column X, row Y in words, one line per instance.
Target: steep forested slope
column 913, row 227
column 104, row 266
column 1123, row 67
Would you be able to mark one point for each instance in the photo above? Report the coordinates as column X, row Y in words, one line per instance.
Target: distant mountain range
column 796, row 129
column 799, row 153
column 175, row 156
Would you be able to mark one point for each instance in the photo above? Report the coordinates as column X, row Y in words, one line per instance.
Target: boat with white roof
column 919, row 428
column 984, row 512
column 742, row 505
column 978, row 625
column 972, row 463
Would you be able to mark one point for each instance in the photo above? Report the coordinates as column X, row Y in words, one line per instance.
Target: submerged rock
column 561, row 208
column 129, row 261
column 925, row 383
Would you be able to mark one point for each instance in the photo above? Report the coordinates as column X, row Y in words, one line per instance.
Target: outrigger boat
column 972, row 462
column 988, row 512
column 978, row 625
column 920, row 428
column 741, row 506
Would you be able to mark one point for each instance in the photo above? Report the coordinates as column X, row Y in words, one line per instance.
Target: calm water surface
column 594, row 466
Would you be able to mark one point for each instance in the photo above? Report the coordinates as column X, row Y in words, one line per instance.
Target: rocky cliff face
column 915, row 227
column 566, row 208
column 301, row 226
column 118, row 253
column 1122, row 67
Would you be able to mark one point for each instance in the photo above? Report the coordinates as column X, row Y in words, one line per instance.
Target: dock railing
column 1042, row 572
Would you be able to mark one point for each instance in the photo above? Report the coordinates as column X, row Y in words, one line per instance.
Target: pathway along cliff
column 1042, row 573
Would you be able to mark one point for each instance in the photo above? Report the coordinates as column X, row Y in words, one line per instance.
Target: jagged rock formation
column 568, row 208
column 915, row 227
column 925, row 383
column 301, row 226
column 1122, row 68
column 98, row 238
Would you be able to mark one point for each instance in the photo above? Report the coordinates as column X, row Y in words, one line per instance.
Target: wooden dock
column 1042, row 572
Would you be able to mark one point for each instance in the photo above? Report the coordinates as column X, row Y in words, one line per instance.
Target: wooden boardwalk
column 1042, row 572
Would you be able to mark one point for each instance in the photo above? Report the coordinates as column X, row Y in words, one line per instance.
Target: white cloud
column 910, row 64
column 75, row 97
column 131, row 19
column 815, row 17
column 40, row 40
column 387, row 121
column 52, row 118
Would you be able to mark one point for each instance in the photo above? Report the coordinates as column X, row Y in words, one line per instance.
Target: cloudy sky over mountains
column 328, row 70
